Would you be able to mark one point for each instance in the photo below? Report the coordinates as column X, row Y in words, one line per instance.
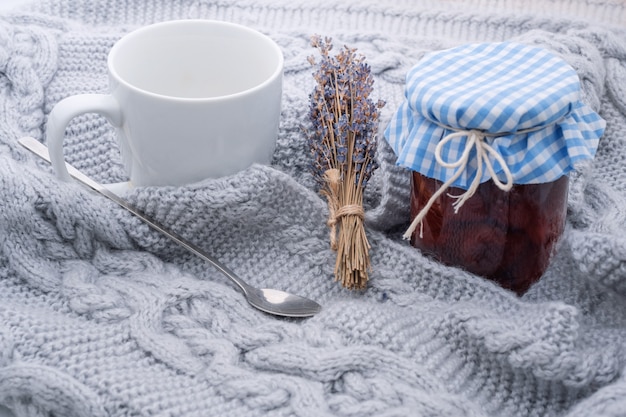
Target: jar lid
column 521, row 100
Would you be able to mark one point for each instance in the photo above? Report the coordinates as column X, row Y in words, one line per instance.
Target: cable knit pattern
column 101, row 316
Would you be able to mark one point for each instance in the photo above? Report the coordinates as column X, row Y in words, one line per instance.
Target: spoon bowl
column 281, row 303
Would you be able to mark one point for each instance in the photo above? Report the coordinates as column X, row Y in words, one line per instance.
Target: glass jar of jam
column 505, row 236
column 490, row 132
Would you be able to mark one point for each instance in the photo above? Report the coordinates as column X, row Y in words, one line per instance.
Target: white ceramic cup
column 191, row 99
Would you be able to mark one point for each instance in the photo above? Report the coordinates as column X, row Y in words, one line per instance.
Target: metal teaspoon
column 271, row 301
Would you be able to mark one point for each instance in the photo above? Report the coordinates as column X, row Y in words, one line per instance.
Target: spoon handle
column 41, row 150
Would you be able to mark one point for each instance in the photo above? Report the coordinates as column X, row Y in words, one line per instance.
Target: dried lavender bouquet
column 343, row 144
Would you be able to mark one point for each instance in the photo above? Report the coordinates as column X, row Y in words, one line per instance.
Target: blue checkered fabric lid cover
column 525, row 99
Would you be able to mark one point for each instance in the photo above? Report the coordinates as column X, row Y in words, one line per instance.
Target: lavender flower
column 343, row 145
column 343, row 117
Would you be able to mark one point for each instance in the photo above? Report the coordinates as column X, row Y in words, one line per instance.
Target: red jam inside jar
column 508, row 237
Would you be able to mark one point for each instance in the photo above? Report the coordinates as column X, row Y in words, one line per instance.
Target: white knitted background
column 100, row 316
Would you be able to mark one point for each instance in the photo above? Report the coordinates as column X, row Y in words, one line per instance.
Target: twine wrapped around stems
column 347, row 234
column 343, row 143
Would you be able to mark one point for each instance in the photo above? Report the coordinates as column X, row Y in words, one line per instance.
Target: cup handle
column 64, row 111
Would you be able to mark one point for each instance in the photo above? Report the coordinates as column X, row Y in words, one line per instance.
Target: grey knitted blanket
column 101, row 316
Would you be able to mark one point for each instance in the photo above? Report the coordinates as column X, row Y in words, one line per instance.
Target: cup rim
column 119, row 44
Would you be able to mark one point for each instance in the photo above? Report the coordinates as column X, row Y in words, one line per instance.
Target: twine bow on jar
column 476, row 139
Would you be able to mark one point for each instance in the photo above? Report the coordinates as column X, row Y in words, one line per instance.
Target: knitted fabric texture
column 101, row 316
